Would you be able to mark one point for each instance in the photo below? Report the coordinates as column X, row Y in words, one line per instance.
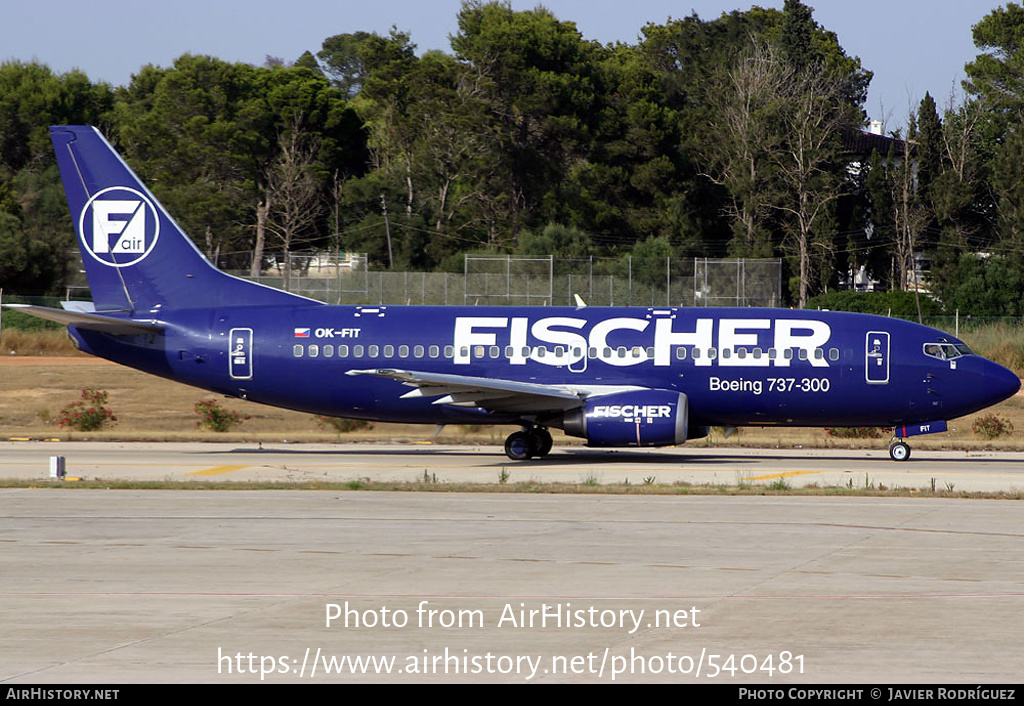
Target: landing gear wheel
column 518, row 446
column 540, row 442
column 899, row 451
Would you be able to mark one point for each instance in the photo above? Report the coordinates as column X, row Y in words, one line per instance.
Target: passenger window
column 680, row 353
column 417, row 352
column 696, row 353
column 403, row 351
column 819, row 354
column 389, row 351
column 357, row 351
column 297, row 351
column 435, row 351
column 726, row 353
column 449, row 351
column 495, row 352
column 314, row 350
column 833, row 354
column 373, row 351
column 343, row 351
column 788, row 354
column 757, row 354
column 478, row 352
column 802, row 353
column 712, row 353
column 328, row 351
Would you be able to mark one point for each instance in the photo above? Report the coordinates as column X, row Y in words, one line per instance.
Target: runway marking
column 216, row 471
column 784, row 474
column 505, row 597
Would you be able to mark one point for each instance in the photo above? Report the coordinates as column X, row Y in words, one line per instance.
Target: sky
column 912, row 46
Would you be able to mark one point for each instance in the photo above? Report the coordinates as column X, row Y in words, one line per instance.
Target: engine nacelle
column 637, row 418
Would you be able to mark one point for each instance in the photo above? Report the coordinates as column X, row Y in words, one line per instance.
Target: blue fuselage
column 736, row 366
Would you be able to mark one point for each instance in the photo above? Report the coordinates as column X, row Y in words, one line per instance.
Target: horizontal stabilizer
column 92, row 322
column 87, row 307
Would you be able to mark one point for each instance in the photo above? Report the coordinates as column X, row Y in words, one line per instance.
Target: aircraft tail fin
column 137, row 258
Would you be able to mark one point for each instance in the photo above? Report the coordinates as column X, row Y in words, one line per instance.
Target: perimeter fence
column 539, row 281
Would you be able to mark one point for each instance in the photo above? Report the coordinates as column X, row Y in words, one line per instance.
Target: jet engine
column 635, row 418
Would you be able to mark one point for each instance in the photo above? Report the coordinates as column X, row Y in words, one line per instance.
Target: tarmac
column 273, row 586
column 987, row 471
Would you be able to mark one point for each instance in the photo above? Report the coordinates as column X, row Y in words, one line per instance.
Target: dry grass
column 528, row 487
column 1002, row 343
column 50, row 342
column 33, row 391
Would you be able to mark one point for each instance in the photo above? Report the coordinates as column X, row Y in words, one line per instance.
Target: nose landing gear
column 899, row 450
column 529, row 443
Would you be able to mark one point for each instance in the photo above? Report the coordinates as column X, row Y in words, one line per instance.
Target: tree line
column 707, row 138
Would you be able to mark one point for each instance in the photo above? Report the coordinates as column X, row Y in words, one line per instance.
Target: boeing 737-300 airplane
column 613, row 376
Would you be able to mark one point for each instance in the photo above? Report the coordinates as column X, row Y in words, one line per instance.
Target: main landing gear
column 527, row 444
column 899, row 450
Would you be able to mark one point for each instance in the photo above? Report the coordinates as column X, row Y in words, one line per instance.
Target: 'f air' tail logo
column 118, row 226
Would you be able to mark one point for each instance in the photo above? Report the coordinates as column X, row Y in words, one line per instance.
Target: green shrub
column 992, row 426
column 341, row 425
column 88, row 414
column 215, row 418
column 11, row 319
column 899, row 304
column 857, row 432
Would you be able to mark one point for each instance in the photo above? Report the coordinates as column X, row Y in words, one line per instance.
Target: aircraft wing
column 85, row 320
column 492, row 394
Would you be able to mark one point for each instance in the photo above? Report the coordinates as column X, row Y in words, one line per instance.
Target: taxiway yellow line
column 786, row 474
column 215, row 471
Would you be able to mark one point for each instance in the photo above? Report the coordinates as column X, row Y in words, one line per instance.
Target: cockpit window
column 946, row 351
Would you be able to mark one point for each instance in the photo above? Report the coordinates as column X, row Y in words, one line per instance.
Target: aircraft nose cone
column 1000, row 383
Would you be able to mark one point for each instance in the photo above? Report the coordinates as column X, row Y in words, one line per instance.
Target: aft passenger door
column 240, row 354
